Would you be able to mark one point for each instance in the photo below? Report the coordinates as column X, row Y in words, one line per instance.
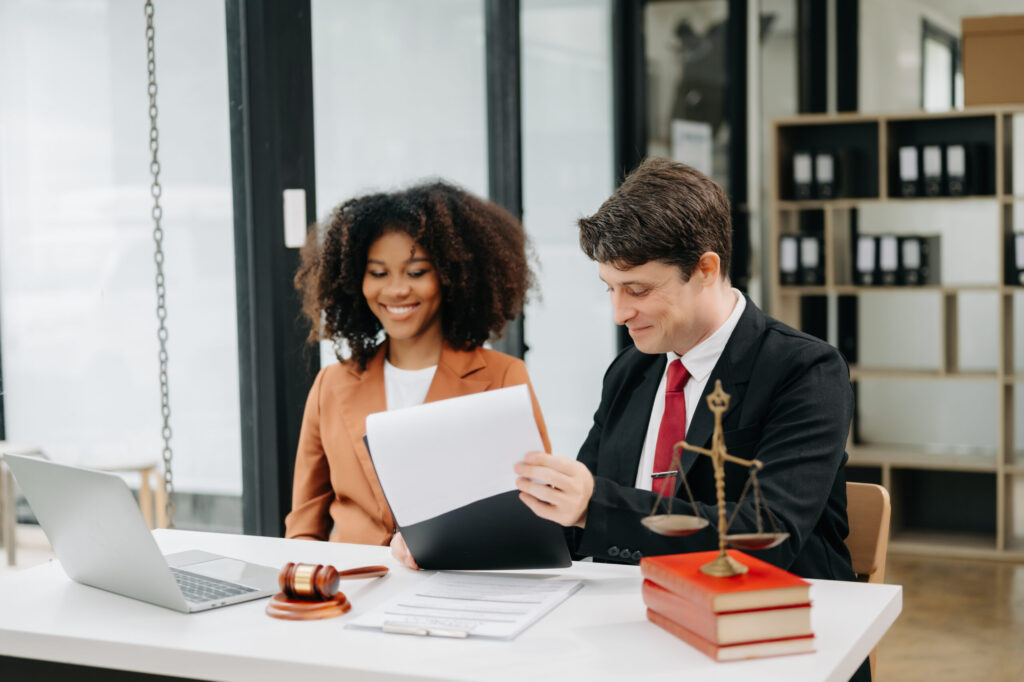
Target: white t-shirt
column 406, row 387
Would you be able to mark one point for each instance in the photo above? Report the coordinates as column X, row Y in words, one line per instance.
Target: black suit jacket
column 790, row 407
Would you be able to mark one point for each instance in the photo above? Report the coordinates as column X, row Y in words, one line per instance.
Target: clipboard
column 445, row 468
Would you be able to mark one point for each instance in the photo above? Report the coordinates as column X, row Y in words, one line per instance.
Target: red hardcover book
column 734, row 652
column 730, row 627
column 763, row 585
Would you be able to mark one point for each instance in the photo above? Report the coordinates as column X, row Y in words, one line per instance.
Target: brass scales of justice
column 677, row 525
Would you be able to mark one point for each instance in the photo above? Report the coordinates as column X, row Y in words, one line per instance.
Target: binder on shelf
column 866, row 264
column 825, row 175
column 909, row 175
column 812, row 267
column 931, row 163
column 847, row 171
column 956, row 170
column 803, row 175
column 919, row 260
column 888, row 259
column 1017, row 256
column 789, row 259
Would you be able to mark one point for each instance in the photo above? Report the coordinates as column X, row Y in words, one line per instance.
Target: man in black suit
column 663, row 243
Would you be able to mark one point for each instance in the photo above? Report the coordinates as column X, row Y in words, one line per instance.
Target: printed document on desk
column 446, row 469
column 470, row 604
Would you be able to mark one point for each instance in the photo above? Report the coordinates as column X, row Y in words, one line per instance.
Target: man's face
column 660, row 310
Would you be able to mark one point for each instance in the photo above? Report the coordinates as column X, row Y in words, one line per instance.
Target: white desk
column 600, row 633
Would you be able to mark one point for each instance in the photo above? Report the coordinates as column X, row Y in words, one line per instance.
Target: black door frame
column 630, row 117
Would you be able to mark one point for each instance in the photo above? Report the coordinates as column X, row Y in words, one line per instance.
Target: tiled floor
column 961, row 620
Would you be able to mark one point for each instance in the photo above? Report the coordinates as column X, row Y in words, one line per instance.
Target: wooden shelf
column 905, row 457
column 920, row 478
column 857, row 373
column 855, row 289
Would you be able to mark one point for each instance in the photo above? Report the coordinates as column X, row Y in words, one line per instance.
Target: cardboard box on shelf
column 992, row 48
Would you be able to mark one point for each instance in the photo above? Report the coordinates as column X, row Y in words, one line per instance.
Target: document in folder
column 446, row 471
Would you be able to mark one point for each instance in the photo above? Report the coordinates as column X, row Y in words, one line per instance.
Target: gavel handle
column 363, row 572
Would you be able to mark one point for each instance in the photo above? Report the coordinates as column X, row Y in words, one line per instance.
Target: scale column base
column 724, row 566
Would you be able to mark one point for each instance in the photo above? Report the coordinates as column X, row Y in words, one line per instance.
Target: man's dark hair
column 663, row 211
column 477, row 248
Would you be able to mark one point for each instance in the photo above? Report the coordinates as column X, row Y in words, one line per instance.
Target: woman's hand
column 400, row 552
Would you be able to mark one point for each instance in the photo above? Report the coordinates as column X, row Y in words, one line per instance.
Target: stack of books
column 764, row 612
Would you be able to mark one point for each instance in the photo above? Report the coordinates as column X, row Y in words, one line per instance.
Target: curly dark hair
column 477, row 248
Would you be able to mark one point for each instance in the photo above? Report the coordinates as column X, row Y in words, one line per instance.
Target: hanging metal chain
column 158, row 257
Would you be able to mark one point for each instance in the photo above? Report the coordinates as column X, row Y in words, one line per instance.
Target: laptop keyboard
column 200, row 588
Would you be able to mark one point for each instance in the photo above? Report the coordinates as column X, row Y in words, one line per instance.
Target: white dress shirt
column 699, row 362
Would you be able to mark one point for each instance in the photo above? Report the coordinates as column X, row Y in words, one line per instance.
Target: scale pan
column 755, row 540
column 674, row 525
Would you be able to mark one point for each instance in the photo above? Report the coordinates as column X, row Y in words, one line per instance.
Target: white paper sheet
column 469, row 604
column 443, row 455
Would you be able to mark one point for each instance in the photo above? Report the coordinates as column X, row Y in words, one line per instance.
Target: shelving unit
column 952, row 501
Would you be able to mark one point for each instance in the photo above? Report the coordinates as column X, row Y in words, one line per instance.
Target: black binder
column 888, row 259
column 812, row 257
column 803, row 176
column 1016, row 257
column 909, row 171
column 866, row 261
column 789, row 259
column 919, row 260
column 956, row 170
column 931, row 165
column 825, row 175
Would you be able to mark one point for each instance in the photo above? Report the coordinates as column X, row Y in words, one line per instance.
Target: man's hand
column 555, row 487
column 400, row 551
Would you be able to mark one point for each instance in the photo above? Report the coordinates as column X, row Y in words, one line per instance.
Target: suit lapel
column 454, row 374
column 636, row 417
column 364, row 396
column 733, row 369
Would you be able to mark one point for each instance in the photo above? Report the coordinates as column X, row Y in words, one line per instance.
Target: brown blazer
column 335, row 484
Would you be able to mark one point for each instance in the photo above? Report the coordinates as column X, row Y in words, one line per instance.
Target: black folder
column 812, row 257
column 956, row 170
column 825, row 175
column 803, row 175
column 1016, row 258
column 495, row 533
column 866, row 262
column 909, row 170
column 888, row 259
column 789, row 259
column 931, row 166
column 919, row 260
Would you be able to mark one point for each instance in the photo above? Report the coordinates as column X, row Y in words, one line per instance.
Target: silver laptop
column 97, row 530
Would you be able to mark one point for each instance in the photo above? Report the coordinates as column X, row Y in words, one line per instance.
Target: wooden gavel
column 318, row 582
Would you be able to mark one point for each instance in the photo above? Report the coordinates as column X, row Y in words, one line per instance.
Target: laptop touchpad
column 237, row 571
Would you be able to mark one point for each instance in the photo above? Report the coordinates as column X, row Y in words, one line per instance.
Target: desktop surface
column 599, row 633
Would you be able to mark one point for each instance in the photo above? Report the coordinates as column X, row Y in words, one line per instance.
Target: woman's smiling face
column 402, row 289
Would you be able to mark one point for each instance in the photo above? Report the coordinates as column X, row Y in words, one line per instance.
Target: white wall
column 76, row 249
column 567, row 173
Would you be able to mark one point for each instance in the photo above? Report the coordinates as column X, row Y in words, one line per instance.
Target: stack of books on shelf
column 764, row 612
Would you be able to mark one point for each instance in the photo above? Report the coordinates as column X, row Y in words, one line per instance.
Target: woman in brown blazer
column 412, row 282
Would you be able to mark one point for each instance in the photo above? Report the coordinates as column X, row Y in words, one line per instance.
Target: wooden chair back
column 868, row 509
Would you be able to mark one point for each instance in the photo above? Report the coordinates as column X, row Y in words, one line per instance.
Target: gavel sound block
column 310, row 591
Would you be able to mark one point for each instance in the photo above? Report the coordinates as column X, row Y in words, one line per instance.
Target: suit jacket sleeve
column 311, row 487
column 516, row 375
column 800, row 437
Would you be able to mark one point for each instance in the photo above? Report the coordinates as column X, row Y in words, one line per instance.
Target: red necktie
column 673, row 427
